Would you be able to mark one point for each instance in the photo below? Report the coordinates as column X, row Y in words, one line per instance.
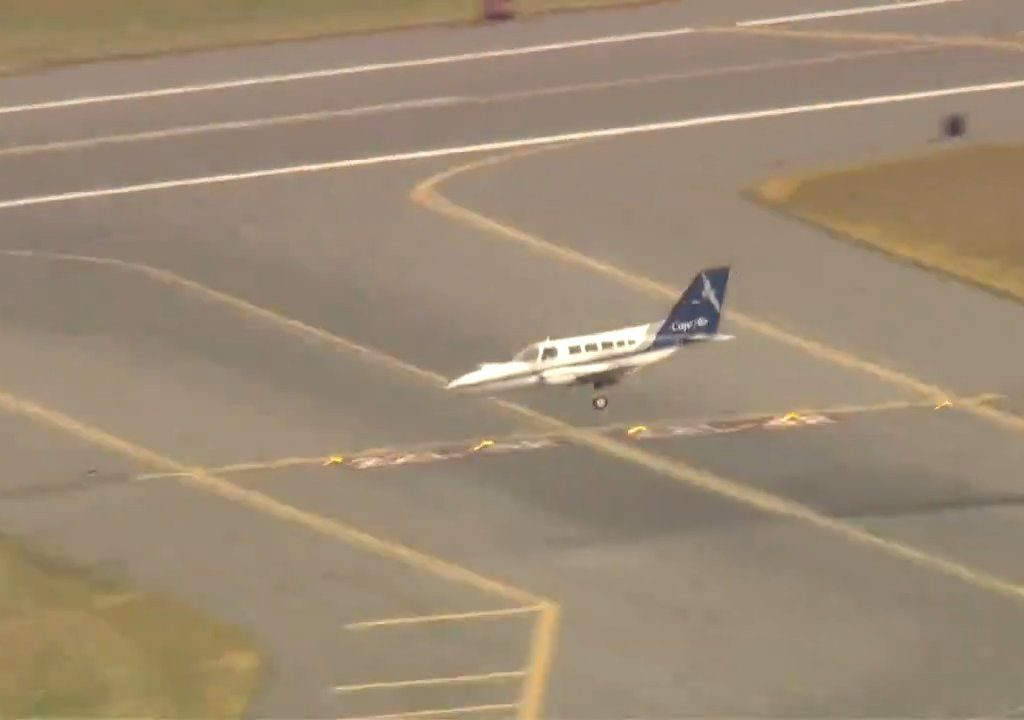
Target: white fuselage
column 568, row 361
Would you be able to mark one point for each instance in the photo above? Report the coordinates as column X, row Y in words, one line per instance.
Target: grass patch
column 74, row 645
column 958, row 211
column 37, row 33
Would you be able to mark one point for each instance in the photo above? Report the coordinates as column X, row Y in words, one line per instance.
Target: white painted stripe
column 845, row 12
column 187, row 130
column 351, row 70
column 440, row 60
column 513, row 96
column 513, row 144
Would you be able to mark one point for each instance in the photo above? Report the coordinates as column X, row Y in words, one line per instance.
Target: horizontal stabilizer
column 704, row 337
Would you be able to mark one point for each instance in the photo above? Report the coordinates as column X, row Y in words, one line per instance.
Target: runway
column 230, row 312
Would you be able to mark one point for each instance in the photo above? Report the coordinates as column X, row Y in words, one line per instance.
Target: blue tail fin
column 698, row 311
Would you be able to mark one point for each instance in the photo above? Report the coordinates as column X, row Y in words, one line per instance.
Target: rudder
column 698, row 310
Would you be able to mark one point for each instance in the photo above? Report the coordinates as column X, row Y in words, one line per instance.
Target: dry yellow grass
column 76, row 646
column 958, row 211
column 37, row 33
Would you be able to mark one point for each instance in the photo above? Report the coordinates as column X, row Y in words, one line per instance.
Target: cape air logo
column 708, row 293
column 684, row 327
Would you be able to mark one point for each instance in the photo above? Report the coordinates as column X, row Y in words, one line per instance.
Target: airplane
column 603, row 359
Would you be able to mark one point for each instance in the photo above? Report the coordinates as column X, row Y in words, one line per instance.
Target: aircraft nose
column 461, row 381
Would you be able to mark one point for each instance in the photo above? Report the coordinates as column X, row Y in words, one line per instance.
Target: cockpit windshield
column 528, row 354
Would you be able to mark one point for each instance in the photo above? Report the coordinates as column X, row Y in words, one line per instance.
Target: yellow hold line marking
column 777, row 505
column 426, row 194
column 465, row 710
column 429, row 682
column 282, row 322
column 542, row 653
column 922, row 39
column 547, row 624
column 267, row 505
column 444, row 617
column 629, row 430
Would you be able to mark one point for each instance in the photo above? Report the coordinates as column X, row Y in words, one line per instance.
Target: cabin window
column 573, row 349
column 607, row 345
column 591, row 347
column 549, row 353
column 620, row 343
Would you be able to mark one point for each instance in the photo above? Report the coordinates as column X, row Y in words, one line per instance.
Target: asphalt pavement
column 858, row 559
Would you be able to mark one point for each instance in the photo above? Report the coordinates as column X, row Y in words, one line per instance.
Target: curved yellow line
column 426, row 194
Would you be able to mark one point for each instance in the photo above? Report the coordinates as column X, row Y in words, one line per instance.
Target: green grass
column 36, row 33
column 74, row 645
column 957, row 211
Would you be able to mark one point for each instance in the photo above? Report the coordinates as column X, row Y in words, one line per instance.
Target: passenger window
column 574, row 349
column 607, row 345
column 620, row 343
column 549, row 352
column 592, row 347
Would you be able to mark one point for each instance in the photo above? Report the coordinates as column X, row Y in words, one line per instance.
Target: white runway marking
column 804, row 17
column 186, row 130
column 513, row 144
column 513, row 96
column 446, row 59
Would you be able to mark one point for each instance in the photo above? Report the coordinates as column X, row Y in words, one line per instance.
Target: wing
column 606, row 377
column 589, row 374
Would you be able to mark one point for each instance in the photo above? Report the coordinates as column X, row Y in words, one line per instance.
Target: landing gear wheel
column 600, row 402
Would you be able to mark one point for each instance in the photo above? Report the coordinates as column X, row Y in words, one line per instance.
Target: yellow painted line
column 543, row 639
column 160, row 476
column 560, row 46
column 674, row 469
column 465, row 710
column 275, row 464
column 282, row 322
column 444, row 617
column 776, row 505
column 696, row 74
column 266, row 504
column 635, row 430
column 542, row 652
column 432, row 682
column 427, row 195
column 505, row 97
column 979, row 399
column 941, row 41
column 827, row 35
